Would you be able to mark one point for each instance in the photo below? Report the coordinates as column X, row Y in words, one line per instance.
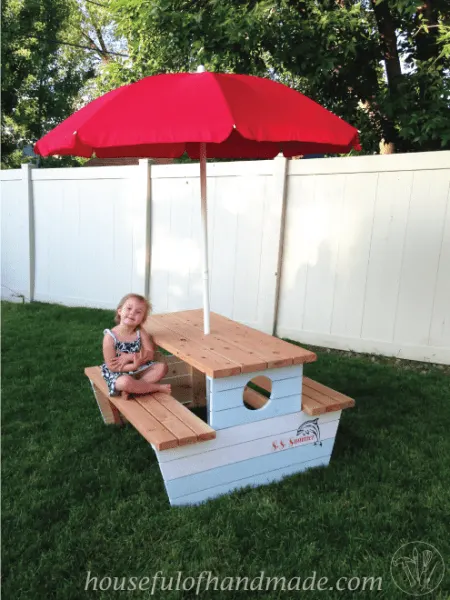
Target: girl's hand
column 146, row 355
column 137, row 362
column 119, row 362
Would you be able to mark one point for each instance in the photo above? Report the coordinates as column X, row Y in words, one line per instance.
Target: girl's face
column 132, row 312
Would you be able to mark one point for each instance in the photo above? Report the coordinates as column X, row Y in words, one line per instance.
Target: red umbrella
column 207, row 115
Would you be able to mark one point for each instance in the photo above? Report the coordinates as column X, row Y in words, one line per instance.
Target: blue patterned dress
column 129, row 348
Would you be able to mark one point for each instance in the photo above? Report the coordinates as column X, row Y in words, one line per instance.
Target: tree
column 50, row 50
column 380, row 64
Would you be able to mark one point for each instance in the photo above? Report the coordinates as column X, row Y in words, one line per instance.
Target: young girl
column 128, row 352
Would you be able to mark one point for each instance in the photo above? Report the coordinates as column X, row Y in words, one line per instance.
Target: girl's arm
column 147, row 347
column 116, row 364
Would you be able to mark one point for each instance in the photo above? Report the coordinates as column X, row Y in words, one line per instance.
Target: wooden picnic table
column 230, row 349
column 250, row 437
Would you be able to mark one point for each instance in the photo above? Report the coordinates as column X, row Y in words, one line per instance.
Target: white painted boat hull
column 250, row 454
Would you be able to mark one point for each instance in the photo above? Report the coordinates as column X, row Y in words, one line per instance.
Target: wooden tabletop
column 231, row 348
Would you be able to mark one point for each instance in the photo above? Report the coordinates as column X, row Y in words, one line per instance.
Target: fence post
column 27, row 191
column 145, row 189
column 280, row 174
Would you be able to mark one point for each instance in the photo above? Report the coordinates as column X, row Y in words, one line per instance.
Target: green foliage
column 330, row 50
column 334, row 51
column 50, row 49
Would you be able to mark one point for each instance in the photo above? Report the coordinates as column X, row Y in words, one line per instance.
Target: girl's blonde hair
column 148, row 306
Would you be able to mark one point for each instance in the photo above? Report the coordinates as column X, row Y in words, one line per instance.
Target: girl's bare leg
column 154, row 374
column 147, row 384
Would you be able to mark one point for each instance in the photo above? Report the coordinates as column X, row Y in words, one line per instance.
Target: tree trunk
column 386, row 28
column 387, row 147
column 388, row 36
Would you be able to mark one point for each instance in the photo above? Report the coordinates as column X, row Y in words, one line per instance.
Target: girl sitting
column 128, row 352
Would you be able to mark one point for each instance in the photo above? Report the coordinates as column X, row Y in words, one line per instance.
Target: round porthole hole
column 257, row 393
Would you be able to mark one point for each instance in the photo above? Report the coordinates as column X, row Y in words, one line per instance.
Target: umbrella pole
column 206, row 328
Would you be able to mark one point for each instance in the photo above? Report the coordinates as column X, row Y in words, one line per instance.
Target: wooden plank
column 291, row 373
column 172, row 423
column 109, row 412
column 240, row 450
column 345, row 401
column 202, row 430
column 276, row 352
column 240, row 415
column 233, row 398
column 150, row 428
column 198, row 387
column 254, row 472
column 182, row 392
column 254, row 398
column 247, row 360
column 243, row 338
column 259, row 462
column 169, row 359
column 312, row 407
column 192, row 353
column 263, row 382
column 254, row 481
column 326, row 401
column 285, row 425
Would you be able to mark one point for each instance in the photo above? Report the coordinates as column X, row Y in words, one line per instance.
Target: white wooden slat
column 104, row 215
column 223, row 256
column 162, row 249
column 247, row 432
column 440, row 321
column 94, row 255
column 256, row 480
column 246, row 468
column 179, row 242
column 242, row 450
column 372, row 164
column 249, row 243
column 228, row 383
column 14, row 227
column 69, row 174
column 281, row 389
column 386, row 254
column 10, row 175
column 195, row 296
column 424, row 352
column 303, row 234
column 242, row 414
column 320, row 282
column 273, row 198
column 421, row 260
column 353, row 254
column 213, row 170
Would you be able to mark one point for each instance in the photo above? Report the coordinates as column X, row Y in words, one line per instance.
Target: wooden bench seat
column 317, row 398
column 159, row 418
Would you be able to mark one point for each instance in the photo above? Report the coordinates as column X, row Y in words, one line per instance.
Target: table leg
column 109, row 412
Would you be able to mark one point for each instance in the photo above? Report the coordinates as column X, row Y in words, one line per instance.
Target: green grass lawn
column 80, row 496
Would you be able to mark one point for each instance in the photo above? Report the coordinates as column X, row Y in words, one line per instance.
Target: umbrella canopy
column 207, row 115
column 237, row 116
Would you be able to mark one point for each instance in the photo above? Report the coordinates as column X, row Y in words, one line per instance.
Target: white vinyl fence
column 350, row 253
